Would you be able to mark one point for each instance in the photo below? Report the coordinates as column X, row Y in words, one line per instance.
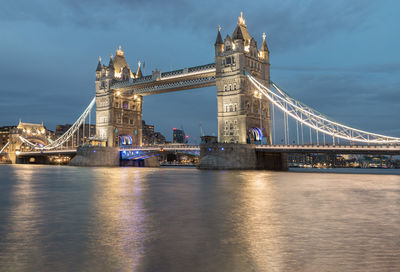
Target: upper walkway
column 158, row 82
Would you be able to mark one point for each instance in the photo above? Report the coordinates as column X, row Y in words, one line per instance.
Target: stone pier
column 96, row 156
column 230, row 156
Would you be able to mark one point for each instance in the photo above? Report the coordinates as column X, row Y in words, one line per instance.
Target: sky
column 339, row 57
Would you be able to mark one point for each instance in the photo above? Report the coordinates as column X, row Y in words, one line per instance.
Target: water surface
column 147, row 219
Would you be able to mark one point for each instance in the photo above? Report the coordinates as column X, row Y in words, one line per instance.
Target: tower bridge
column 247, row 104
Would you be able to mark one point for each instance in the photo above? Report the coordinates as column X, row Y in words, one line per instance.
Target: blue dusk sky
column 340, row 57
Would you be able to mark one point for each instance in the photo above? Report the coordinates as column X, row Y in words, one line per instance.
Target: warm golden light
column 120, row 52
column 118, row 93
column 117, row 75
column 241, row 20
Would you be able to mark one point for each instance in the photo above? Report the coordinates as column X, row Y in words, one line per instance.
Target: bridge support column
column 272, row 161
column 96, row 156
column 12, row 156
column 225, row 156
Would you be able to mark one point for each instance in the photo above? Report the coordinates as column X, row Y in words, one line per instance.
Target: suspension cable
column 316, row 120
column 68, row 134
column 4, row 147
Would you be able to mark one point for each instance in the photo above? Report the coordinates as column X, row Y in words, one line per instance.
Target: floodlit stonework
column 242, row 112
column 118, row 114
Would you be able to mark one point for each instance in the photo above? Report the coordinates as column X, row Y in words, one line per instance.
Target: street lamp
column 257, row 94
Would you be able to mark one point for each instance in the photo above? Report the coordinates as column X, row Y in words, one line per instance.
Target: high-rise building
column 147, row 133
column 150, row 137
column 178, row 136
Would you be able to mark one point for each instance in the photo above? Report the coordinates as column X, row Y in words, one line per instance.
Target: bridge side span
column 315, row 120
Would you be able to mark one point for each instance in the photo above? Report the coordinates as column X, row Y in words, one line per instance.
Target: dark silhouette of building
column 5, row 135
column 149, row 137
column 178, row 136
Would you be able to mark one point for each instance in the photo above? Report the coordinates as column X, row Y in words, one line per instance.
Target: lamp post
column 257, row 94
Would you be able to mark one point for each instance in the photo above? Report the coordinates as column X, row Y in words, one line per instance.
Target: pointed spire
column 111, row 63
column 120, row 52
column 139, row 70
column 237, row 34
column 99, row 65
column 264, row 46
column 219, row 41
column 241, row 20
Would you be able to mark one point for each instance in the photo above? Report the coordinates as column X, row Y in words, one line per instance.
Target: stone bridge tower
column 118, row 113
column 243, row 113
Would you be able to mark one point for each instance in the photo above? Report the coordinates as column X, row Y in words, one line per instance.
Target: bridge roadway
column 306, row 149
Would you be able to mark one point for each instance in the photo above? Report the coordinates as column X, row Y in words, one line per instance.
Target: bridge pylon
column 118, row 113
column 243, row 113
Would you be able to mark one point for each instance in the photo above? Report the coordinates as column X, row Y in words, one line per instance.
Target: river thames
column 180, row 219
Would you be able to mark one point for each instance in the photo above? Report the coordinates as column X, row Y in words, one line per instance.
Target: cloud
column 383, row 68
column 49, row 54
column 356, row 100
column 288, row 23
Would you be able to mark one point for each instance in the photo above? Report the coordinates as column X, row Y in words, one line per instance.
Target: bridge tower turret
column 243, row 113
column 118, row 113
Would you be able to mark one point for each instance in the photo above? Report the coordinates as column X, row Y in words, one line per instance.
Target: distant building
column 5, row 135
column 178, row 136
column 34, row 134
column 159, row 138
column 147, row 133
column 85, row 132
column 149, row 137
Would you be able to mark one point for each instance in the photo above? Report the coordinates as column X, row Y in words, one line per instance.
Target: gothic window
column 103, row 84
column 230, row 87
column 133, row 107
column 230, row 126
column 235, row 107
column 234, row 86
column 131, row 121
column 125, row 105
column 230, row 108
column 228, row 60
column 225, row 87
column 116, row 104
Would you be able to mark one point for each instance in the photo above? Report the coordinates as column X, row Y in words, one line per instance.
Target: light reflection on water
column 143, row 219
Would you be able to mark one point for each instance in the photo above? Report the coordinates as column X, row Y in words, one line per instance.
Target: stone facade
column 118, row 113
column 230, row 156
column 96, row 156
column 241, row 110
column 35, row 133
